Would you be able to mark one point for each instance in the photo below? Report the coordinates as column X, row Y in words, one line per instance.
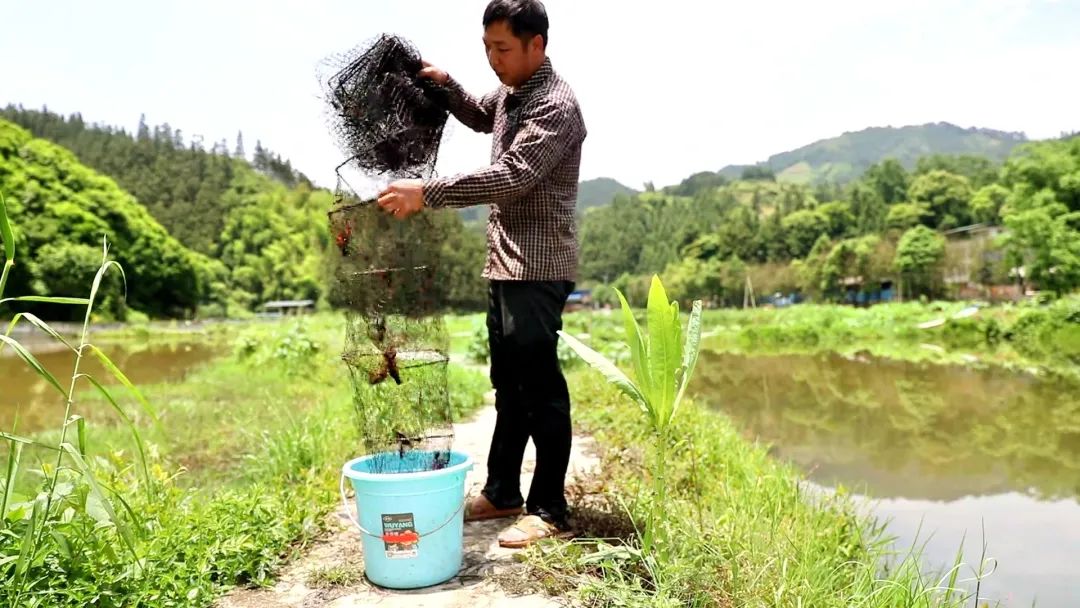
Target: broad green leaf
column 61, row 542
column 42, row 325
column 9, row 244
column 8, row 264
column 95, row 490
column 95, row 508
column 607, row 368
column 690, row 351
column 18, row 511
column 27, row 441
column 106, row 264
column 675, row 345
column 5, row 231
column 119, row 375
column 33, row 362
column 80, row 426
column 63, row 489
column 663, row 359
column 14, row 456
column 638, row 353
column 26, row 552
column 48, row 300
column 127, row 420
column 123, row 503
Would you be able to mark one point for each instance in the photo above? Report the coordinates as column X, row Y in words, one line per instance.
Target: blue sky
column 674, row 87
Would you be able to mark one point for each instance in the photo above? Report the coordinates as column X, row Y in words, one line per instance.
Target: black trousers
column 531, row 396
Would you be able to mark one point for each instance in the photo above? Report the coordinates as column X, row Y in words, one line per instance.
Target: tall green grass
column 746, row 530
column 38, row 522
column 663, row 365
column 232, row 475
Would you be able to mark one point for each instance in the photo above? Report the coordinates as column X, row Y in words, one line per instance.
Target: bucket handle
column 356, row 520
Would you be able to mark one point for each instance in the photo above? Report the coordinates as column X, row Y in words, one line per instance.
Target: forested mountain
column 221, row 234
column 708, row 233
column 61, row 209
column 599, row 191
column 844, row 158
column 187, row 188
column 253, row 231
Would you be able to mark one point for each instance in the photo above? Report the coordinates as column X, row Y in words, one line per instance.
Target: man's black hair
column 527, row 18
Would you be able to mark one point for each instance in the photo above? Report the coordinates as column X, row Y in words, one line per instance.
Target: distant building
column 969, row 258
column 578, row 300
column 280, row 308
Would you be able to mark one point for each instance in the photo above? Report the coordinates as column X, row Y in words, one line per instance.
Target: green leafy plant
column 72, row 494
column 663, row 362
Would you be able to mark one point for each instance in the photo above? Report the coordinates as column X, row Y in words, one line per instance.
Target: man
column 532, row 259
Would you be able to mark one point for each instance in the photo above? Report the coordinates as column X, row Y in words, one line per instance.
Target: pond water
column 39, row 405
column 940, row 452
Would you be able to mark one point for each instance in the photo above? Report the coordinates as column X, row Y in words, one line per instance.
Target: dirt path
column 331, row 574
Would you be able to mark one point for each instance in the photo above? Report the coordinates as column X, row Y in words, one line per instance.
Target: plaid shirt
column 532, row 182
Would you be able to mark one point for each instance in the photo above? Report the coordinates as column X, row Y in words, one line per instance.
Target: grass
column 1030, row 337
column 337, row 575
column 742, row 528
column 243, row 466
column 241, row 469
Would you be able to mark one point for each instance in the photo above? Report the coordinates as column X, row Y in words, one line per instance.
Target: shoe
column 528, row 530
column 480, row 508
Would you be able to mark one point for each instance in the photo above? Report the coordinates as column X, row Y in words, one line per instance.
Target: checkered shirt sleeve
column 547, row 130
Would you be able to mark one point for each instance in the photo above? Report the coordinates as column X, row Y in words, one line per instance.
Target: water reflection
column 942, row 447
column 40, row 406
column 907, row 430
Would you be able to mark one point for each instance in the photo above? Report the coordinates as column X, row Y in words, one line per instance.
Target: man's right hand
column 438, row 76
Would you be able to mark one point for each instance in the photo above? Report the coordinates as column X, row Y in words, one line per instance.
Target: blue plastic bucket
column 410, row 522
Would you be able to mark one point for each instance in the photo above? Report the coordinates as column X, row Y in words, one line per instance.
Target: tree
column 698, row 182
column 907, row 215
column 889, row 180
column 771, row 241
column 840, row 220
column 987, row 203
column 758, row 173
column 64, row 209
column 1042, row 212
column 143, row 134
column 239, row 152
column 979, row 170
column 868, row 208
column 918, row 259
column 810, row 270
column 1045, row 236
column 694, row 279
column 947, row 197
column 802, row 229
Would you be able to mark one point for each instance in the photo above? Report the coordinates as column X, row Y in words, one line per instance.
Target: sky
column 666, row 88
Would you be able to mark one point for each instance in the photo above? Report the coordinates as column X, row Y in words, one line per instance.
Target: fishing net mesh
column 389, row 124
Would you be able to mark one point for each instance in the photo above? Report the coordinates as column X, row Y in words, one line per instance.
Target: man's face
column 512, row 60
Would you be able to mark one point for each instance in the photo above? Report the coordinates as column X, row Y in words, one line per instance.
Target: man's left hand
column 403, row 198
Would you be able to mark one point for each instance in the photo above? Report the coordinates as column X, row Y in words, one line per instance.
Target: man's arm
column 477, row 114
column 546, row 133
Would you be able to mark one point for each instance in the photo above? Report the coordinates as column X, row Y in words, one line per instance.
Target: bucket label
column 399, row 535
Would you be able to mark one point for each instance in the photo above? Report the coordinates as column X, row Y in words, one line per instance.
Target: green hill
column 61, row 210
column 189, row 190
column 260, row 228
column 591, row 193
column 844, row 158
column 257, row 228
column 600, row 191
